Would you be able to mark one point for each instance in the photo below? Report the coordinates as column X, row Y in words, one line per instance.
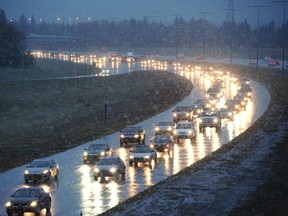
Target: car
column 210, row 119
column 184, row 130
column 41, row 170
column 142, row 154
column 197, row 110
column 246, row 90
column 233, row 105
column 31, row 199
column 215, row 92
column 226, row 113
column 110, row 167
column 162, row 143
column 132, row 135
column 203, row 102
column 96, row 151
column 181, row 113
column 164, row 127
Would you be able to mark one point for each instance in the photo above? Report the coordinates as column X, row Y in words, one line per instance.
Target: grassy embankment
column 41, row 118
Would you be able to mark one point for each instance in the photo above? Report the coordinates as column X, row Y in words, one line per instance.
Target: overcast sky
column 160, row 10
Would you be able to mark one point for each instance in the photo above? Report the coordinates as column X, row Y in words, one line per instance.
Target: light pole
column 257, row 43
column 283, row 45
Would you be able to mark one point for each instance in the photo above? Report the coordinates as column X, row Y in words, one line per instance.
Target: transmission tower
column 230, row 11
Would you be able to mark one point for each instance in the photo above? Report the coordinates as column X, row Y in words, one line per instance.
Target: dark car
column 183, row 113
column 215, row 92
column 162, row 143
column 32, row 199
column 132, row 135
column 96, row 151
column 142, row 154
column 41, row 170
column 203, row 102
column 164, row 127
column 110, row 167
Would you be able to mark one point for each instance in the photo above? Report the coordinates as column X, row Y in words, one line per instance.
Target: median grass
column 43, row 117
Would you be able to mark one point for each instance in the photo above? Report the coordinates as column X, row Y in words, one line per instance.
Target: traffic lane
column 77, row 191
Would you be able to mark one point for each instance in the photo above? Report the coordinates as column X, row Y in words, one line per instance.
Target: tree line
column 180, row 33
column 13, row 49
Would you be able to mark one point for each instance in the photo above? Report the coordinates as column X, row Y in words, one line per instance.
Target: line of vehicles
column 206, row 112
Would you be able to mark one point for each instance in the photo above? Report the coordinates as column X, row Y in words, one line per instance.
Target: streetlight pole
column 283, row 41
column 257, row 43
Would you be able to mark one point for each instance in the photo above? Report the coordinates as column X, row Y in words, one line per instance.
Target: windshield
column 39, row 164
column 108, row 161
column 26, row 193
column 160, row 139
column 130, row 130
column 139, row 149
column 164, row 124
column 184, row 126
column 97, row 147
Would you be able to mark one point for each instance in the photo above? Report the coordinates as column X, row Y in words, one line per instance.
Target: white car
column 142, row 154
column 184, row 130
column 41, row 170
column 110, row 167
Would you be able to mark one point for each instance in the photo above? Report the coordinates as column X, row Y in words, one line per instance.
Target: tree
column 12, row 45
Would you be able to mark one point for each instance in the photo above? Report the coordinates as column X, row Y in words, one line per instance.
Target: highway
column 77, row 192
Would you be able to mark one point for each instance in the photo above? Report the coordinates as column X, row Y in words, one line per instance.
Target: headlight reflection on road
column 176, row 162
column 148, row 176
column 114, row 194
column 190, row 153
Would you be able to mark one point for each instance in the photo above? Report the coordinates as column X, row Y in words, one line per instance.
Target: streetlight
column 257, row 44
column 283, row 45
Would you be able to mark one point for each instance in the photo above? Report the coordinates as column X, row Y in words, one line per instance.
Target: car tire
column 136, row 164
column 121, row 144
column 96, row 178
column 130, row 163
column 48, row 205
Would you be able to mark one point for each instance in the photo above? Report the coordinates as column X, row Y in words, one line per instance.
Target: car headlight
column 102, row 153
column 122, row 136
column 175, row 114
column 187, row 114
column 249, row 94
column 8, row 204
column 215, row 120
column 131, row 157
column 175, row 132
column 151, row 146
column 169, row 128
column 26, row 172
column 157, row 129
column 230, row 114
column 136, row 136
column 33, row 203
column 96, row 170
column 189, row 131
column 236, row 106
column 243, row 103
column 85, row 153
column 200, row 120
column 147, row 157
column 45, row 171
column 113, row 170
